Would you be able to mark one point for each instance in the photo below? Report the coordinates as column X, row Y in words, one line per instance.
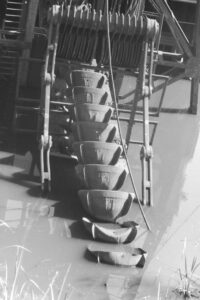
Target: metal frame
column 143, row 91
column 191, row 53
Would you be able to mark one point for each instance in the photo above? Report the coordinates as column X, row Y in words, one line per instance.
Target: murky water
column 54, row 240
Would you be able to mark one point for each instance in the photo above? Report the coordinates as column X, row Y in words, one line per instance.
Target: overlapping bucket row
column 99, row 169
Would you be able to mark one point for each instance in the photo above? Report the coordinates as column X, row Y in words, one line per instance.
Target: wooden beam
column 28, row 37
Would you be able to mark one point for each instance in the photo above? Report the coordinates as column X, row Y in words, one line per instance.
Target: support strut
column 146, row 154
column 48, row 78
column 143, row 92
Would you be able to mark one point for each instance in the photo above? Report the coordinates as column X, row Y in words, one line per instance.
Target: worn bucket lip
column 99, row 191
column 110, row 145
column 100, row 106
column 99, row 166
column 93, row 123
column 84, row 89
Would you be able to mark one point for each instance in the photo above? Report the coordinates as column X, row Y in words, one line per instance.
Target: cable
column 117, row 115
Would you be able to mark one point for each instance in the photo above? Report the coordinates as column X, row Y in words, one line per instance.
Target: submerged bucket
column 92, row 112
column 88, row 78
column 126, row 257
column 93, row 131
column 106, row 205
column 111, row 233
column 97, row 152
column 80, row 94
column 103, row 177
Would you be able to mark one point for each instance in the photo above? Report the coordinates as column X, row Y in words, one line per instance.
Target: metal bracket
column 146, row 154
column 147, row 91
column 45, row 163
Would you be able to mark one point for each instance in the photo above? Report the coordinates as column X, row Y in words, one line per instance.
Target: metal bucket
column 103, row 177
column 106, row 205
column 126, row 257
column 88, row 78
column 93, row 131
column 92, row 112
column 81, row 94
column 97, row 152
column 111, row 233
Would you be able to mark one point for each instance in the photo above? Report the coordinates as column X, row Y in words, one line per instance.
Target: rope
column 117, row 115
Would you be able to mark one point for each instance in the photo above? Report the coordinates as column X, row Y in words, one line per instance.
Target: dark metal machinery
column 86, row 27
column 138, row 34
column 189, row 51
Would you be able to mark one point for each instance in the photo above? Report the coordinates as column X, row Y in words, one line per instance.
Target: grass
column 28, row 289
column 187, row 279
column 187, row 282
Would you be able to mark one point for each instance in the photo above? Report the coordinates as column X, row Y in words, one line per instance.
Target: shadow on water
column 174, row 148
column 64, row 185
column 89, row 257
column 78, row 231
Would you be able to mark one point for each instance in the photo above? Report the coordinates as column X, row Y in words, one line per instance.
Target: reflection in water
column 13, row 213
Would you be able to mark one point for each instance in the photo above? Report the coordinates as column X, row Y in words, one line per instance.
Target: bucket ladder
column 87, row 28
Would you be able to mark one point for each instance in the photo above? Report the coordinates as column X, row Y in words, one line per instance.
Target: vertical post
column 146, row 185
column 146, row 154
column 140, row 83
column 194, row 92
column 29, row 34
column 48, row 77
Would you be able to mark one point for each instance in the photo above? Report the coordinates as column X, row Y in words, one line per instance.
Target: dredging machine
column 62, row 65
